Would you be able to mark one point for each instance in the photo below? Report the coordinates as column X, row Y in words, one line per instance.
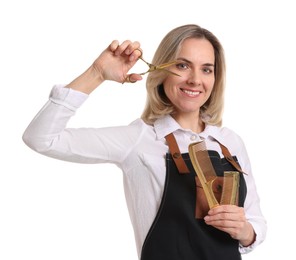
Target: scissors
column 153, row 67
column 162, row 66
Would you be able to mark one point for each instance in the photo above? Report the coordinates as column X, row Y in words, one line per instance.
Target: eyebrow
column 188, row 61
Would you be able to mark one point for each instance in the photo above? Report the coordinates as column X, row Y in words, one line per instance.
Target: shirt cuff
column 260, row 236
column 67, row 97
column 248, row 249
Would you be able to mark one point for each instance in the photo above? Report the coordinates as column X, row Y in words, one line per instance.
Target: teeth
column 192, row 93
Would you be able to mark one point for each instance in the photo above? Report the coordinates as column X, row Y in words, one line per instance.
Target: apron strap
column 180, row 163
column 176, row 154
column 229, row 157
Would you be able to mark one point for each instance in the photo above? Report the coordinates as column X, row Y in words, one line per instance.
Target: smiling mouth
column 190, row 92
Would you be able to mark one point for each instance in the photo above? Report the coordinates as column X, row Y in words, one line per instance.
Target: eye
column 207, row 70
column 182, row 66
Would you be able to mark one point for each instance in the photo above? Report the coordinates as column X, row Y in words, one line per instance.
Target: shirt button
column 193, row 137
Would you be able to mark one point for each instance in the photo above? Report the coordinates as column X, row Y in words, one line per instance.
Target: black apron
column 175, row 233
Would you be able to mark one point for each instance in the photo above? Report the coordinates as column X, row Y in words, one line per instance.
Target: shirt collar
column 215, row 133
column 167, row 124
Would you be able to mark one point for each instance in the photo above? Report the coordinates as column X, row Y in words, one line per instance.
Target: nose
column 194, row 78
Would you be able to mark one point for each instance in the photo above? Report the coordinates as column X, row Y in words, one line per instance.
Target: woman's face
column 196, row 68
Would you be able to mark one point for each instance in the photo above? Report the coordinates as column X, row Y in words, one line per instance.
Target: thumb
column 132, row 78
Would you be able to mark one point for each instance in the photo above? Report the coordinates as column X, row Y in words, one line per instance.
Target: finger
column 140, row 51
column 132, row 78
column 135, row 55
column 133, row 47
column 123, row 47
column 128, row 79
column 133, row 51
column 114, row 44
column 223, row 208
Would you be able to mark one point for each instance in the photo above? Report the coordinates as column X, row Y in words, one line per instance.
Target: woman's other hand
column 231, row 219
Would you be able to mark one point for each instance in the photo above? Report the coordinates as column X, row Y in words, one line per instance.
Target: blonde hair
column 157, row 104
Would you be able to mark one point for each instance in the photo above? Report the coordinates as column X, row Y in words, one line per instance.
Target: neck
column 190, row 121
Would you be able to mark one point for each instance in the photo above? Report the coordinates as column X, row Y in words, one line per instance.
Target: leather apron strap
column 180, row 163
column 229, row 157
column 176, row 154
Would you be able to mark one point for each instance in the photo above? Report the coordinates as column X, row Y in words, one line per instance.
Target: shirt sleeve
column 47, row 133
column 252, row 202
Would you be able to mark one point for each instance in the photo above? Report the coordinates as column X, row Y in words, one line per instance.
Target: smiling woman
column 162, row 190
column 210, row 61
column 190, row 92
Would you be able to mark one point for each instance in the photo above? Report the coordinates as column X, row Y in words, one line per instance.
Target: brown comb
column 204, row 170
column 206, row 174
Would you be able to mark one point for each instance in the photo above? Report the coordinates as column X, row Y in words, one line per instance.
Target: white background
column 51, row 209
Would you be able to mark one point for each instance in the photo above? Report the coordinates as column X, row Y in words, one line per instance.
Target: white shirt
column 138, row 150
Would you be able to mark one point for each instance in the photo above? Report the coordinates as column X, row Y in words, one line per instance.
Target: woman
column 163, row 195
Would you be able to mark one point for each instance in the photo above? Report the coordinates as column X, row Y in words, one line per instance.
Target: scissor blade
column 167, row 64
column 170, row 72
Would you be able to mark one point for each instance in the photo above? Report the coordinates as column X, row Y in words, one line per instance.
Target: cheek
column 210, row 85
column 167, row 92
column 168, row 88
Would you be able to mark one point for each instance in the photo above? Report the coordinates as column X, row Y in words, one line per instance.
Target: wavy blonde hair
column 157, row 104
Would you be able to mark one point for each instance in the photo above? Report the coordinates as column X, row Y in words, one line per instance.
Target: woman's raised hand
column 115, row 62
column 112, row 64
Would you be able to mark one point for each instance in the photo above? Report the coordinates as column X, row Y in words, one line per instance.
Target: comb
column 230, row 188
column 205, row 171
